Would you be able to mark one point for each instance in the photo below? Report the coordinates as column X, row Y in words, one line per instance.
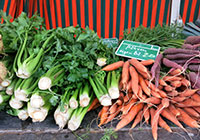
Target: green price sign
column 111, row 42
column 140, row 51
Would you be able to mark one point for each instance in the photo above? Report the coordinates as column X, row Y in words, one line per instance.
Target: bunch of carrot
column 140, row 98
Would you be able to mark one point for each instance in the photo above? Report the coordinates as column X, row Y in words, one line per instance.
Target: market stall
column 115, row 69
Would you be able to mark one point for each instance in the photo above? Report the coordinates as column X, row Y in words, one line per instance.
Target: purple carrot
column 182, row 61
column 195, row 68
column 194, row 79
column 191, row 47
column 196, row 46
column 180, row 56
column 156, row 64
column 192, row 40
column 157, row 76
column 185, row 51
column 188, row 46
column 171, row 64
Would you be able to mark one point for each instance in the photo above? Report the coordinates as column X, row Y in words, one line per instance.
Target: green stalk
column 10, row 88
column 3, row 97
column 39, row 114
column 30, row 66
column 51, row 78
column 38, row 99
column 17, row 61
column 100, row 91
column 108, row 80
column 84, row 96
column 25, row 89
column 114, row 87
column 22, row 114
column 77, row 117
column 73, row 102
column 15, row 103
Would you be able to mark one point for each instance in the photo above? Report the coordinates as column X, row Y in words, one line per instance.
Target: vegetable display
column 69, row 71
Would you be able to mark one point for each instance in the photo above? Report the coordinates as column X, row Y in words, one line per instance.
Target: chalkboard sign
column 111, row 42
column 137, row 50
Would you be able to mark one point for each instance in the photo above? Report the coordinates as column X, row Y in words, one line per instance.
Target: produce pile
column 43, row 71
column 68, row 72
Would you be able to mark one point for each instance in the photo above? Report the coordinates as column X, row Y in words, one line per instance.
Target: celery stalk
column 25, row 88
column 84, row 96
column 39, row 114
column 39, row 99
column 10, row 88
column 3, row 97
column 73, row 102
column 113, row 90
column 77, row 117
column 15, row 103
column 102, row 96
column 51, row 78
column 63, row 113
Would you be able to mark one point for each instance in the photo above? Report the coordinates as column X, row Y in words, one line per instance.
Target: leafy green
column 164, row 36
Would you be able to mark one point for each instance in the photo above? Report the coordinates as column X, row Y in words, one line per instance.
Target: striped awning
column 8, row 6
column 107, row 17
column 189, row 10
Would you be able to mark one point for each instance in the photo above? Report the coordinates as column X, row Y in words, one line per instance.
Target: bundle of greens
column 164, row 36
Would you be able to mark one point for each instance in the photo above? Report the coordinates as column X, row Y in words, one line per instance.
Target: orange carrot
column 127, row 97
column 128, row 87
column 104, row 115
column 171, row 78
column 140, row 68
column 160, row 87
column 127, row 107
column 113, row 108
column 154, row 125
column 152, row 100
column 178, row 99
column 120, row 100
column 162, row 93
column 96, row 106
column 130, row 116
column 99, row 114
column 184, row 117
column 113, row 66
column 141, row 95
column 196, row 97
column 134, row 96
column 138, row 118
column 168, row 115
column 188, row 103
column 152, row 113
column 146, row 114
column 191, row 112
column 112, row 116
column 147, row 62
column 162, row 82
column 125, row 75
column 175, row 72
column 173, row 93
column 188, row 92
column 151, row 85
column 155, row 94
column 169, row 88
column 94, row 102
column 176, row 83
column 197, row 109
column 134, row 80
column 144, row 87
column 173, row 110
column 185, row 82
column 163, row 124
